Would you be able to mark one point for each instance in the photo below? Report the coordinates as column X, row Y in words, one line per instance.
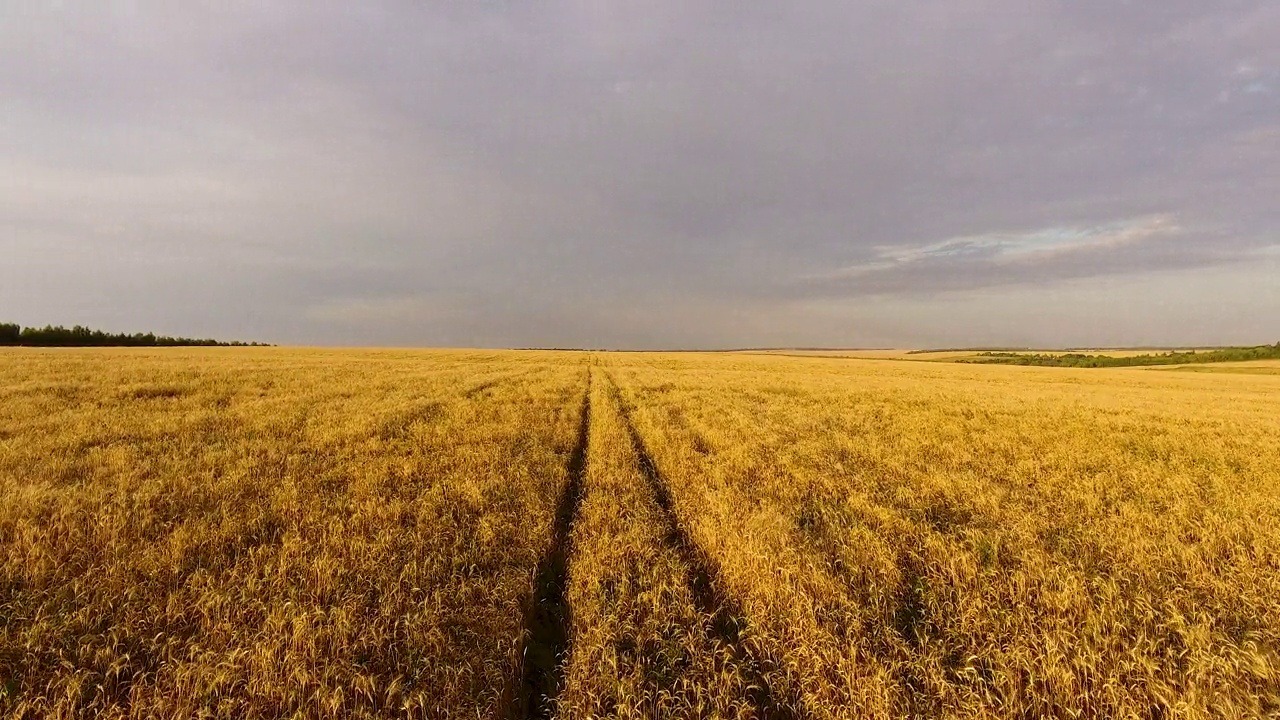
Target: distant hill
column 13, row 334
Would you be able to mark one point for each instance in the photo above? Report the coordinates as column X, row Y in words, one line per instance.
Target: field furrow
column 723, row 615
column 650, row 638
column 547, row 619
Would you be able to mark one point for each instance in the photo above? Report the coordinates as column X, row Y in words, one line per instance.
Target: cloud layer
column 1042, row 256
column 640, row 174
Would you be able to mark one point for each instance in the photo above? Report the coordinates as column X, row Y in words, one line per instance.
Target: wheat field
column 289, row 533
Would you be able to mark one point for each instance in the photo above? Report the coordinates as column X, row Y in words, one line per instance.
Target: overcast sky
column 644, row 173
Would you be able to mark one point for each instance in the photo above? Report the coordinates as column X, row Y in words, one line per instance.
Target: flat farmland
column 263, row 533
column 1255, row 367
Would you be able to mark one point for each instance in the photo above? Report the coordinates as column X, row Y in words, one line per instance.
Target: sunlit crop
column 263, row 533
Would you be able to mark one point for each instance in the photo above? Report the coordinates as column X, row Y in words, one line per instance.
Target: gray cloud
column 636, row 174
column 1041, row 257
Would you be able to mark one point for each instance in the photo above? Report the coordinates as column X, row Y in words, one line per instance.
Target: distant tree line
column 13, row 334
column 1233, row 354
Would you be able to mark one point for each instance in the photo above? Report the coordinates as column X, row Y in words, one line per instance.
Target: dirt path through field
column 552, row 646
column 725, row 615
column 547, row 619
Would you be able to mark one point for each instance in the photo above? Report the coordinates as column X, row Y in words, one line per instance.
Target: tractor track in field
column 707, row 589
column 547, row 617
column 476, row 390
column 397, row 426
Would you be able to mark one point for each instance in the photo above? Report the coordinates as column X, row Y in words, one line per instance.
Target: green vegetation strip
column 1239, row 354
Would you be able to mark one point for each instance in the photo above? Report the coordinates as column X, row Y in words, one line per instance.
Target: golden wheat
column 309, row 533
column 267, row 534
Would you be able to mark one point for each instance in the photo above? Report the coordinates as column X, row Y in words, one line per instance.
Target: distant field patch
column 1254, row 368
column 1085, row 360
